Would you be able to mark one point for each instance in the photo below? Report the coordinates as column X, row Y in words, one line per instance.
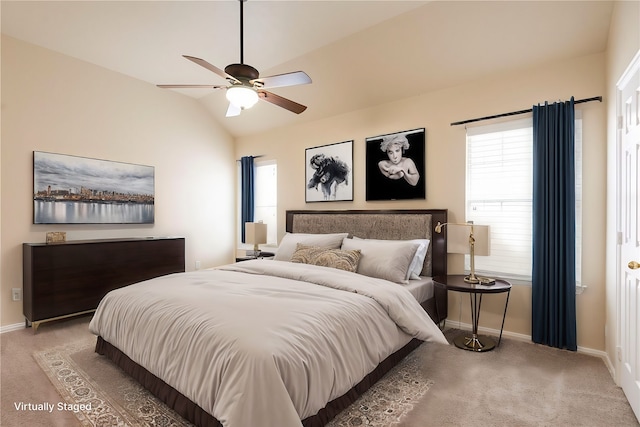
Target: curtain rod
column 513, row 113
column 255, row 157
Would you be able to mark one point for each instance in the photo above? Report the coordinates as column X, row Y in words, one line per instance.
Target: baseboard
column 527, row 338
column 14, row 327
column 488, row 331
column 610, row 367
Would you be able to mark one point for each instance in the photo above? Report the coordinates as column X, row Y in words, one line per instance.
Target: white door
column 628, row 287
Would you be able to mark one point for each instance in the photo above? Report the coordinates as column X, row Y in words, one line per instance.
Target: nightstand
column 456, row 283
column 263, row 255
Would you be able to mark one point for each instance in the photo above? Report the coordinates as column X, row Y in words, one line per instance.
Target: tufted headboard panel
column 380, row 224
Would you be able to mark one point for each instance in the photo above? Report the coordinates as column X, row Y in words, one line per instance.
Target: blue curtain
column 247, row 191
column 554, row 219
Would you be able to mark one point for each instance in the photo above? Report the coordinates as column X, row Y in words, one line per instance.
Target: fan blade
column 233, row 110
column 205, row 64
column 285, row 103
column 280, row 80
column 190, row 86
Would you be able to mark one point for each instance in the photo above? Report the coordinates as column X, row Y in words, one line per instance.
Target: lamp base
column 474, row 342
column 254, row 253
column 475, row 280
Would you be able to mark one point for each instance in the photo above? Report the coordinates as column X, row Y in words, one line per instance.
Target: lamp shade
column 242, row 96
column 458, row 239
column 255, row 233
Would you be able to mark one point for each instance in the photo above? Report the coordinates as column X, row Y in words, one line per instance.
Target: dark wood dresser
column 67, row 279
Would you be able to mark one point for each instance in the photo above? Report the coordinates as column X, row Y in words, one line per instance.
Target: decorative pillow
column 415, row 268
column 384, row 259
column 290, row 240
column 334, row 258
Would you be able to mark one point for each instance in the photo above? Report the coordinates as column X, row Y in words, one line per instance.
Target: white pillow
column 290, row 240
column 418, row 260
column 384, row 259
column 415, row 268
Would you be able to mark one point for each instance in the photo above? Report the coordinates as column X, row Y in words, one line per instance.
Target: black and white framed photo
column 395, row 166
column 79, row 190
column 329, row 172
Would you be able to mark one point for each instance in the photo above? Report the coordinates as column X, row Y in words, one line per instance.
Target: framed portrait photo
column 395, row 166
column 329, row 172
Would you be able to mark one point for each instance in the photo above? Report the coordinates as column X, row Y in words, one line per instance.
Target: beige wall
column 54, row 103
column 624, row 43
column 445, row 163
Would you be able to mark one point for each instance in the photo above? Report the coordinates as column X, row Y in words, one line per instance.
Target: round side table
column 456, row 283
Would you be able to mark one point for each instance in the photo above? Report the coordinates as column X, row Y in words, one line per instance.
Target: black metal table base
column 474, row 342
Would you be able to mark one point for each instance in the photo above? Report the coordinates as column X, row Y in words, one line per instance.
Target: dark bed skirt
column 196, row 415
column 339, row 404
column 163, row 391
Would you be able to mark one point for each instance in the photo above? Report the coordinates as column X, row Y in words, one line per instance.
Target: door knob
column 634, row 265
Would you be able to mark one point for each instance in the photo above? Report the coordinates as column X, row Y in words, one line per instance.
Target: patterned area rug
column 129, row 404
column 91, row 404
column 389, row 399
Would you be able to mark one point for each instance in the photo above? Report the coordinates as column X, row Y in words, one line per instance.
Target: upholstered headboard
column 380, row 224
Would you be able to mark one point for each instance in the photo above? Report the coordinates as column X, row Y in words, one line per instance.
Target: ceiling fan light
column 242, row 96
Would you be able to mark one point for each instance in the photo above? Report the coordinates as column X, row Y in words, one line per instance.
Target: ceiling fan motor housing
column 242, row 72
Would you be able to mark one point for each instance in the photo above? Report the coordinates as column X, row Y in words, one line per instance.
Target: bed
column 226, row 356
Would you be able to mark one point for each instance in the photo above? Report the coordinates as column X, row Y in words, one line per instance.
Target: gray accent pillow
column 418, row 259
column 389, row 260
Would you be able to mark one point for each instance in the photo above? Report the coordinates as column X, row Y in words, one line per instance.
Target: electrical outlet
column 197, row 265
column 16, row 294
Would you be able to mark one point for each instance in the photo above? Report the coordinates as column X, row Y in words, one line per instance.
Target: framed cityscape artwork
column 79, row 190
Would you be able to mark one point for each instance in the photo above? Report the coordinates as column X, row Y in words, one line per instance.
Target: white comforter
column 259, row 343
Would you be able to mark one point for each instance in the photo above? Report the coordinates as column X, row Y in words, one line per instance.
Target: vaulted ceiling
column 358, row 53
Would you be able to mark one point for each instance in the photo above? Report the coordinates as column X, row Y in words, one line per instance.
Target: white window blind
column 499, row 186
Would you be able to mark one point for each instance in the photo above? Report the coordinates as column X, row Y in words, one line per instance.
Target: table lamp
column 467, row 238
column 256, row 234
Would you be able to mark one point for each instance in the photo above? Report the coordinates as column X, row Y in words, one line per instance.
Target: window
column 499, row 186
column 266, row 198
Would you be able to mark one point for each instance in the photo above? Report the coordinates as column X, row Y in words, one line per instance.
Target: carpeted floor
column 518, row 384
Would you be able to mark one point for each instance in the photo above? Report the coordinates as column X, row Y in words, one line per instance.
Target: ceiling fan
column 246, row 86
